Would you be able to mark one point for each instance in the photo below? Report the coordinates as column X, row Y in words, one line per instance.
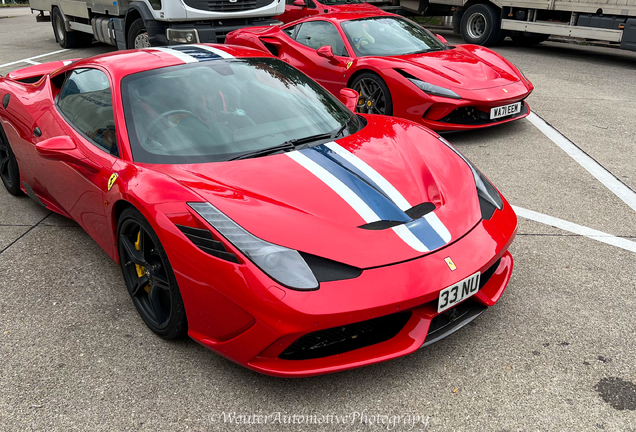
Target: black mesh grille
column 327, row 270
column 346, row 338
column 473, row 117
column 226, row 5
column 204, row 240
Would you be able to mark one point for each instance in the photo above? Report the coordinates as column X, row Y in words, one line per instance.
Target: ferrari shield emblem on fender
column 450, row 263
column 111, row 181
column 349, row 64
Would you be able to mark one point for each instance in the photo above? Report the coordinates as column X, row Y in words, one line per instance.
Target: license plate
column 449, row 297
column 505, row 110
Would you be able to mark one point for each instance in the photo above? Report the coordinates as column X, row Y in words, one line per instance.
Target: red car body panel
column 236, row 309
column 483, row 78
column 316, row 7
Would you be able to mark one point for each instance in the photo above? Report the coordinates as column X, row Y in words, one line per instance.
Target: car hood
column 288, row 201
column 466, row 67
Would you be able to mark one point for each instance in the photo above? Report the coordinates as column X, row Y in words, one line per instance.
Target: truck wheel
column 138, row 35
column 527, row 38
column 68, row 39
column 481, row 25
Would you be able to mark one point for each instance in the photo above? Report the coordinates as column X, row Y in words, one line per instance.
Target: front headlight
column 284, row 265
column 489, row 197
column 434, row 90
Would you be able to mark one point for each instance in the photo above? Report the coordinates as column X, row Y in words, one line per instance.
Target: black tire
column 527, row 38
column 380, row 104
column 68, row 39
column 137, row 29
column 481, row 25
column 9, row 171
column 153, row 287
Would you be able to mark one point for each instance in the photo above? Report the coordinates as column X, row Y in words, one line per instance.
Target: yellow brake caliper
column 141, row 270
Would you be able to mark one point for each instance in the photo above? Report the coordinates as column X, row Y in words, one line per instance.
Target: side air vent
column 326, row 270
column 30, row 80
column 203, row 240
column 414, row 213
column 270, row 47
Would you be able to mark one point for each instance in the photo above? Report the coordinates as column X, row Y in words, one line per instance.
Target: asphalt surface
column 557, row 353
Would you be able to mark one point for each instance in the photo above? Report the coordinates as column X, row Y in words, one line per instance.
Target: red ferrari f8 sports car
column 398, row 68
column 250, row 208
column 297, row 9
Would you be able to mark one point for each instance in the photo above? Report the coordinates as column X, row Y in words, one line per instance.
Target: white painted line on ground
column 576, row 229
column 32, row 62
column 28, row 60
column 597, row 170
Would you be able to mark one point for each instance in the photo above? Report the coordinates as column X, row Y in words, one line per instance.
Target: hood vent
column 414, row 213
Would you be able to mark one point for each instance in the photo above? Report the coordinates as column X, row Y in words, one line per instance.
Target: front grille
column 226, row 5
column 471, row 116
column 451, row 320
column 338, row 340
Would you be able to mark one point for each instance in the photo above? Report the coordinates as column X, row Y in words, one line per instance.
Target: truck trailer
column 142, row 23
column 526, row 22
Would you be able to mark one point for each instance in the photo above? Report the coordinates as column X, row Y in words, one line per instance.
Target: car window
column 316, row 34
column 216, row 110
column 86, row 102
column 389, row 36
column 290, row 31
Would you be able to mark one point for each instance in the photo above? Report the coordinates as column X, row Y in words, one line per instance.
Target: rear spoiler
column 34, row 73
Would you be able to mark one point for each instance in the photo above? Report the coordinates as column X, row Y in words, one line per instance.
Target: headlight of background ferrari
column 434, row 90
column 489, row 197
column 280, row 263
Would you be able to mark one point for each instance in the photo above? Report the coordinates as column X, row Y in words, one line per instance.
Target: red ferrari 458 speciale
column 398, row 68
column 250, row 208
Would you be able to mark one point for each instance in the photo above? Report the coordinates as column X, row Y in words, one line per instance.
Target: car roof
column 122, row 63
column 338, row 17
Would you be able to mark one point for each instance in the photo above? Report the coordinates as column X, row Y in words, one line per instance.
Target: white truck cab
column 142, row 23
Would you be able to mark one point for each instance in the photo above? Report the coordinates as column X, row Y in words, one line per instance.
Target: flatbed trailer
column 488, row 22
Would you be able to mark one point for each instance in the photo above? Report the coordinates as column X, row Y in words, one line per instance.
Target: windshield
column 220, row 109
column 389, row 36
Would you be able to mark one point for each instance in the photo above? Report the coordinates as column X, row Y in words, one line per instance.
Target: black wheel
column 149, row 276
column 481, row 25
column 68, row 39
column 137, row 35
column 527, row 38
column 9, row 171
column 375, row 97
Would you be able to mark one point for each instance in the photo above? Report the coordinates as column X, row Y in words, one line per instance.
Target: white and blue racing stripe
column 194, row 53
column 371, row 195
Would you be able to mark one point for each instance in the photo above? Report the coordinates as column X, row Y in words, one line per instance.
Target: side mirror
column 300, row 3
column 441, row 38
column 350, row 98
column 63, row 149
column 325, row 51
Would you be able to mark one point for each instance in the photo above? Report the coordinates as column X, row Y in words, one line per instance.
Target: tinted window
column 316, row 34
column 86, row 102
column 290, row 31
column 219, row 109
column 389, row 36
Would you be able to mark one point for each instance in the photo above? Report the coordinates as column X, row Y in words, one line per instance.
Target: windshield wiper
column 339, row 131
column 292, row 144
